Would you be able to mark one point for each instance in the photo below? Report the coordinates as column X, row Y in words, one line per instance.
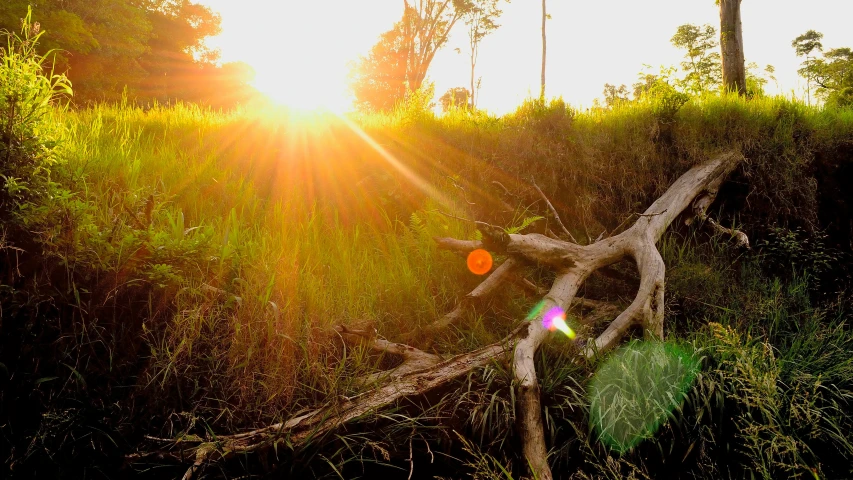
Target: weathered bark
column 414, row 360
column 731, row 44
column 483, row 291
column 576, row 263
column 420, row 371
column 317, row 423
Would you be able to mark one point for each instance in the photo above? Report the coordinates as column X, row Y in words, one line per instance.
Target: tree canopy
column 702, row 59
column 457, row 97
column 832, row 74
column 398, row 63
column 154, row 48
column 378, row 80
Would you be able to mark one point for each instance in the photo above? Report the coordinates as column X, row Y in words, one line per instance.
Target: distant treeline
column 151, row 49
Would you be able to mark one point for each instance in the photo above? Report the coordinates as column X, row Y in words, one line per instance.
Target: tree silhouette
column 425, row 29
column 378, row 81
column 458, row 97
column 480, row 18
column 804, row 45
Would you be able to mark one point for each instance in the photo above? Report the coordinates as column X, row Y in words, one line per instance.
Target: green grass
column 186, row 269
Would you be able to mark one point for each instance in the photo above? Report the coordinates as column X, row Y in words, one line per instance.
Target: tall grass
column 186, row 276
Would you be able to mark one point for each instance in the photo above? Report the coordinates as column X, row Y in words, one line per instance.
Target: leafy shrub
column 28, row 133
column 551, row 117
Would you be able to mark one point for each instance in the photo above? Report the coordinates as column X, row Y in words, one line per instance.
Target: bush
column 28, row 132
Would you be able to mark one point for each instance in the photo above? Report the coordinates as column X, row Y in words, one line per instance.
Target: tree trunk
column 472, row 101
column 544, row 51
column 731, row 44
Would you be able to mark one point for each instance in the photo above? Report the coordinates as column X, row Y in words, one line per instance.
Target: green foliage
column 702, row 60
column 637, row 389
column 808, row 42
column 796, row 251
column 553, row 116
column 455, row 98
column 665, row 100
column 614, row 95
column 832, row 74
column 149, row 47
column 28, row 132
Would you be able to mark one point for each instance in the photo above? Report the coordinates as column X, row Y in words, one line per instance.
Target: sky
column 301, row 48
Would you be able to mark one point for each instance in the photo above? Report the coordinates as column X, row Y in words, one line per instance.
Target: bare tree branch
column 421, row 371
column 554, row 212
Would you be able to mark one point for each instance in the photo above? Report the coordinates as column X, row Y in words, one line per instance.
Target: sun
column 301, row 51
column 301, row 85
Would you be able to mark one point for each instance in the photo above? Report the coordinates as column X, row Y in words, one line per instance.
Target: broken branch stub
column 637, row 242
column 422, row 372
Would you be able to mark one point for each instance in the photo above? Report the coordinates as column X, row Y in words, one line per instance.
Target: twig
column 455, row 217
column 464, row 192
column 650, row 214
column 554, row 212
column 629, row 217
column 506, row 190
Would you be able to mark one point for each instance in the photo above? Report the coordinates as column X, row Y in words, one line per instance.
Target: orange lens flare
column 479, row 262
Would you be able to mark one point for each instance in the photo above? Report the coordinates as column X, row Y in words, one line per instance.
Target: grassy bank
column 185, row 270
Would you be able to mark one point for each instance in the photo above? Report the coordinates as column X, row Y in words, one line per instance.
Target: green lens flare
column 636, row 390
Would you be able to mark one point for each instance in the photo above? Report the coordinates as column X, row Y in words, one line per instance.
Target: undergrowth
column 178, row 271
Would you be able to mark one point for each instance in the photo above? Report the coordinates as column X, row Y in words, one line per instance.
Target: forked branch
column 420, row 371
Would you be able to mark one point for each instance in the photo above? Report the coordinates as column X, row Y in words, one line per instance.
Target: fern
column 417, row 224
column 524, row 224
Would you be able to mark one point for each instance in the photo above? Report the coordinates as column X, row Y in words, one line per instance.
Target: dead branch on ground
column 421, row 372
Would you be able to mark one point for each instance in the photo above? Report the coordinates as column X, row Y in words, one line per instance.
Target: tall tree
column 378, row 80
column 176, row 49
column 426, row 27
column 481, row 19
column 544, row 52
column 731, row 41
column 702, row 61
column 804, row 45
column 833, row 76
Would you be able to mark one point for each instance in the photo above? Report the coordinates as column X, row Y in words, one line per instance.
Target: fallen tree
column 691, row 195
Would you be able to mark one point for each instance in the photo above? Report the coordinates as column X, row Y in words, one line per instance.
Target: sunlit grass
column 242, row 238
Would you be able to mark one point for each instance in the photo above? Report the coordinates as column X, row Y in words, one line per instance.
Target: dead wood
column 575, row 263
column 554, row 212
column 414, row 360
column 298, row 430
column 421, row 372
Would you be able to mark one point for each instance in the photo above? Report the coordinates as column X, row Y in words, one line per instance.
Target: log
column 575, row 263
column 421, row 372
column 316, row 423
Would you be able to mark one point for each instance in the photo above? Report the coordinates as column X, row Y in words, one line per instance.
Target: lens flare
column 555, row 319
column 637, row 389
column 536, row 310
column 480, row 262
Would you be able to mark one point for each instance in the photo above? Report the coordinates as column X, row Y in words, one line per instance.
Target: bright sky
column 300, row 48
